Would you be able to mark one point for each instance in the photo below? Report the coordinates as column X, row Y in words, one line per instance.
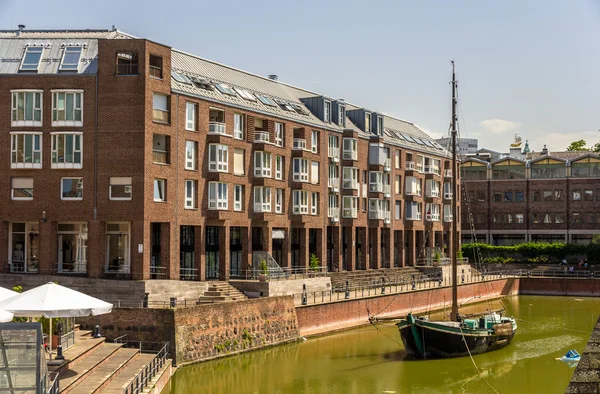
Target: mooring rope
column 473, row 361
column 386, row 335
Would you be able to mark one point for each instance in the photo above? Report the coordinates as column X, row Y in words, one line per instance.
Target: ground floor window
column 508, row 239
column 187, row 263
column 72, row 248
column 235, row 249
column 117, row 248
column 24, row 247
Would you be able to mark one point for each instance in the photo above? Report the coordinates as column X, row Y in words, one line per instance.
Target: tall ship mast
column 457, row 336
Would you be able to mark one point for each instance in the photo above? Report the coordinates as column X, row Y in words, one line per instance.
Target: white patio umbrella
column 52, row 300
column 5, row 316
column 5, row 293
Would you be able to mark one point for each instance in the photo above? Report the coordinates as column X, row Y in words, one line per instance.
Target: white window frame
column 73, row 122
column 327, row 111
column 314, row 203
column 238, row 126
column 342, row 116
column 217, row 196
column 333, row 146
column 314, row 141
column 191, row 147
column 262, row 199
column 69, row 66
column 220, row 163
column 15, row 122
column 13, row 188
column 279, row 134
column 278, row 167
column 54, row 150
column 190, row 201
column 350, row 148
column 238, row 197
column 262, row 164
column 315, row 173
column 302, row 174
column 163, row 189
column 352, row 208
column 300, row 202
column 120, row 181
column 236, row 152
column 29, row 66
column 278, row 200
column 15, row 147
column 191, row 114
column 350, row 178
column 79, row 182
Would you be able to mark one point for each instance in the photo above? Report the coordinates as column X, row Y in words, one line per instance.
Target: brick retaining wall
column 582, row 287
column 323, row 318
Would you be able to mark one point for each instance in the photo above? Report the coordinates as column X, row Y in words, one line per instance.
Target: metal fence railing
column 54, row 387
column 143, row 378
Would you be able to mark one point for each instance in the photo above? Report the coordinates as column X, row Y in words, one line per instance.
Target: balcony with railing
column 350, row 155
column 333, row 183
column 410, row 166
column 447, row 218
column 448, row 173
column 419, row 167
column 22, row 266
column 261, row 136
column 413, row 192
column 433, row 193
column 334, row 153
column 159, row 115
column 299, row 144
column 350, row 213
column 350, row 184
column 300, row 176
column 448, row 195
column 414, row 216
column 262, row 207
column 379, row 214
column 387, row 165
column 160, row 156
column 432, row 217
column 379, row 188
column 334, row 214
column 217, row 128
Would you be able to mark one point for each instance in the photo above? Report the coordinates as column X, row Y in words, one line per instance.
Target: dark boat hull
column 439, row 343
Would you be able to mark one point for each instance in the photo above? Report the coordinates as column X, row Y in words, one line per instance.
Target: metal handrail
column 55, row 386
column 139, row 383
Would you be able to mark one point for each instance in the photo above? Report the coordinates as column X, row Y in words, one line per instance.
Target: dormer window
column 327, row 113
column 31, row 59
column 70, row 59
column 367, row 122
column 342, row 119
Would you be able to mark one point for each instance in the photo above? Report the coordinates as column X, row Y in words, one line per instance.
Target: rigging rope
column 472, row 360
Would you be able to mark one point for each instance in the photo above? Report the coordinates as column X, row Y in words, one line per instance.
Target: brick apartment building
column 125, row 158
column 537, row 197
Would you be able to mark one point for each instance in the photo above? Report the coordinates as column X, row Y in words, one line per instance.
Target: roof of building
column 278, row 94
column 568, row 155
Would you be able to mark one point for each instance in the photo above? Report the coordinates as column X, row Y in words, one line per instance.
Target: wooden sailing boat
column 460, row 336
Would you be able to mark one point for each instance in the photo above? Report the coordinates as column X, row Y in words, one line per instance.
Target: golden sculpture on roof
column 517, row 143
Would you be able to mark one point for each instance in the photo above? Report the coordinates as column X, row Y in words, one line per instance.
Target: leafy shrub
column 533, row 252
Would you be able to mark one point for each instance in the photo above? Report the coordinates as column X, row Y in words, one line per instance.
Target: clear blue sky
column 529, row 67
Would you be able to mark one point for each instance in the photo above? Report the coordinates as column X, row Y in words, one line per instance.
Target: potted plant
column 313, row 265
column 437, row 257
column 264, row 270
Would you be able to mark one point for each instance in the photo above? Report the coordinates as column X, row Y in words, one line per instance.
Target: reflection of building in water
column 526, row 196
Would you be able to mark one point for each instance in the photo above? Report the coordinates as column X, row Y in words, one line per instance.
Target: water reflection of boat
column 460, row 336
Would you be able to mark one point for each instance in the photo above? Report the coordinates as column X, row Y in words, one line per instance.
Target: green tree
column 596, row 148
column 577, row 146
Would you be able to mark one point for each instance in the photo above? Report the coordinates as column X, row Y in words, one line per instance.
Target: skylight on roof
column 284, row 105
column 245, row 94
column 266, row 101
column 31, row 58
column 409, row 138
column 428, row 143
column 298, row 108
column 180, row 77
column 70, row 60
column 225, row 89
column 202, row 83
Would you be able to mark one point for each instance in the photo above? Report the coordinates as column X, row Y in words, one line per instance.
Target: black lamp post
column 59, row 354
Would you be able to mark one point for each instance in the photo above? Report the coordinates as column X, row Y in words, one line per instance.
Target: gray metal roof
column 11, row 54
column 195, row 66
column 49, row 34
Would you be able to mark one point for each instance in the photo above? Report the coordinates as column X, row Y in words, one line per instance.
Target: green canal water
column 365, row 360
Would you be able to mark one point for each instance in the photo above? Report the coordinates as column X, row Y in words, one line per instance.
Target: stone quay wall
column 343, row 314
column 204, row 332
column 586, row 379
column 580, row 287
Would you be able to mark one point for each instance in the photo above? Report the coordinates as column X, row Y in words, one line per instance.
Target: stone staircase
column 93, row 365
column 222, row 292
column 374, row 277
